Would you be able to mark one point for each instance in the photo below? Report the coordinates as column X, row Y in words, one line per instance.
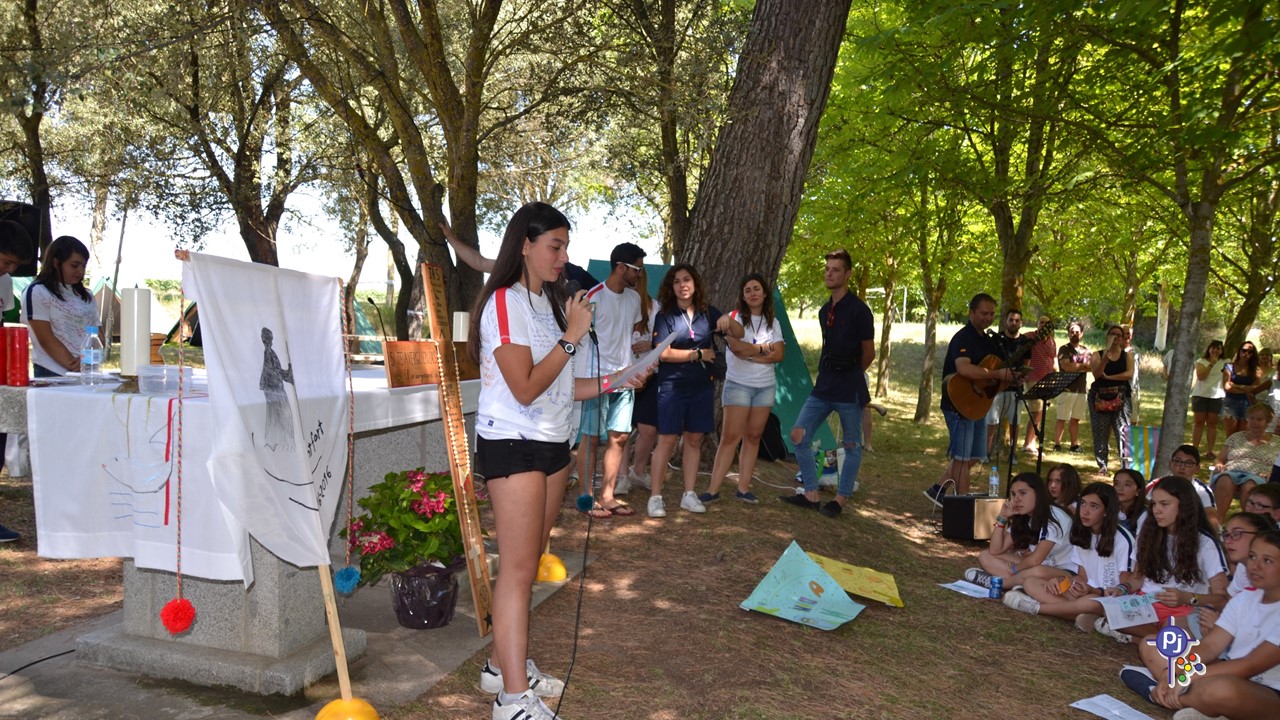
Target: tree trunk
column 101, row 193
column 1173, row 422
column 361, row 244
column 751, row 194
column 886, row 325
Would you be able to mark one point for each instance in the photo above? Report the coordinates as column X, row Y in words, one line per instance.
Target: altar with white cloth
column 104, row 470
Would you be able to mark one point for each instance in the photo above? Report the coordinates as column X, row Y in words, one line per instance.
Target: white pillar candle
column 135, row 329
column 461, row 326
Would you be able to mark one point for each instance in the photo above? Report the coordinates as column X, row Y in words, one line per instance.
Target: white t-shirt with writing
column 513, row 315
column 616, row 317
column 757, row 332
column 1252, row 622
column 1104, row 572
column 67, row 318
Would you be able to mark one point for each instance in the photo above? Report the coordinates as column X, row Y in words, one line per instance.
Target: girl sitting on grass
column 1105, row 553
column 1029, row 540
column 1242, row 680
column 1237, row 534
column 1179, row 559
column 1129, row 485
column 1063, row 482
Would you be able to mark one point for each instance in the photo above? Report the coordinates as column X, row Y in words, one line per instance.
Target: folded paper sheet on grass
column 860, row 581
column 797, row 589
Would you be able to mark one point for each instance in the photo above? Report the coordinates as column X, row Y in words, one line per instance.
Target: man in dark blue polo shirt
column 848, row 347
column 967, row 349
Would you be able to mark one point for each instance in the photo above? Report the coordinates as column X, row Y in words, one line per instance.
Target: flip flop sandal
column 621, row 510
column 598, row 512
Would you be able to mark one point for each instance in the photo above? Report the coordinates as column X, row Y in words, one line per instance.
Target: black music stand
column 1049, row 387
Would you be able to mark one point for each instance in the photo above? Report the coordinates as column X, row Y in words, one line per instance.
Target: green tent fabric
column 794, row 383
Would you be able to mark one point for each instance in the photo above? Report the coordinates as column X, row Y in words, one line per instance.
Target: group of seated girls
column 1058, row 563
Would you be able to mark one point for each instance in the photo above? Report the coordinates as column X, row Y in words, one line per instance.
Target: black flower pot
column 425, row 596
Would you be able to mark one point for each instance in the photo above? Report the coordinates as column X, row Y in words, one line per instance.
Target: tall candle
column 461, row 326
column 135, row 329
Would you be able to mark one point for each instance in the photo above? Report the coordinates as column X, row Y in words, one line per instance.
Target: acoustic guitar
column 973, row 398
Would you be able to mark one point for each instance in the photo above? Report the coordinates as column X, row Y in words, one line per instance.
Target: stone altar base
column 269, row 639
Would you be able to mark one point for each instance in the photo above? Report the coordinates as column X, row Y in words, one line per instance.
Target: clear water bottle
column 91, row 356
column 993, row 482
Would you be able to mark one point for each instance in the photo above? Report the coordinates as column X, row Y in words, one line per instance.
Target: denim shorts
column 968, row 437
column 502, row 458
column 1235, row 405
column 737, row 395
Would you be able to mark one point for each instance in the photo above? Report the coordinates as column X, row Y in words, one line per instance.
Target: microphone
column 377, row 313
column 571, row 288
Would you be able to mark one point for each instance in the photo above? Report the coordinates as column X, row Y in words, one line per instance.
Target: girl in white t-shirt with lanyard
column 1242, row 653
column 58, row 308
column 524, row 333
column 749, row 385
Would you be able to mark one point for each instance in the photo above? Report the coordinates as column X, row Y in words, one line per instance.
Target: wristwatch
column 569, row 348
column 1195, row 600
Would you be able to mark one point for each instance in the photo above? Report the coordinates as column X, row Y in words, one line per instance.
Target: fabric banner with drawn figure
column 797, row 589
column 277, row 389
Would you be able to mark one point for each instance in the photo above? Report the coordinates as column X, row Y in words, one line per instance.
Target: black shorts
column 501, row 458
column 1212, row 406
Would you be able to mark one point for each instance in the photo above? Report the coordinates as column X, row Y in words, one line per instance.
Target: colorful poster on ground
column 797, row 589
column 860, row 581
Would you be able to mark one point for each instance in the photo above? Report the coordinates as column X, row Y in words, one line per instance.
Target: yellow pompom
column 353, row 709
column 551, row 569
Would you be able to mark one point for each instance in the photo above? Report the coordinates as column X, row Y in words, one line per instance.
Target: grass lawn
column 661, row 634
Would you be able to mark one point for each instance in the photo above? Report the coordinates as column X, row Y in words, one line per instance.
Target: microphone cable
column 585, row 503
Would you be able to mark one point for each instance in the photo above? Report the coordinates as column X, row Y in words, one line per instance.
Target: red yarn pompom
column 177, row 615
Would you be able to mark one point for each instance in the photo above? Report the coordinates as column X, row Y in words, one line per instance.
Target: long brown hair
column 50, row 275
column 528, row 223
column 1190, row 523
column 667, row 293
column 744, row 310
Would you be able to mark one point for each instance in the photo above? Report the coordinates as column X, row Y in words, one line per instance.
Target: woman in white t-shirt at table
column 1241, row 654
column 58, row 308
column 524, row 333
column 749, row 385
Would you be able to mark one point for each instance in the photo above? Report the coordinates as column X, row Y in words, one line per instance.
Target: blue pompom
column 586, row 501
column 346, row 579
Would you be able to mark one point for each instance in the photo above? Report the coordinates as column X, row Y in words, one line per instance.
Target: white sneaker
column 540, row 683
column 689, row 501
column 1104, row 627
column 656, row 508
column 640, row 480
column 1193, row 714
column 622, row 485
column 1022, row 602
column 526, row 706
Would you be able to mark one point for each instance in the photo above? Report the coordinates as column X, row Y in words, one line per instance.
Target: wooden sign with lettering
column 459, row 450
column 411, row 362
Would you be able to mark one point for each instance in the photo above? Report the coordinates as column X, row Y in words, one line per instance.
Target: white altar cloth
column 105, row 475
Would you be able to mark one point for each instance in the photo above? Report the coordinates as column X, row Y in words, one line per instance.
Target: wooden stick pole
column 335, row 631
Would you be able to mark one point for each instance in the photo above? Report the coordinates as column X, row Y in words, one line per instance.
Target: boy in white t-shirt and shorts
column 608, row 349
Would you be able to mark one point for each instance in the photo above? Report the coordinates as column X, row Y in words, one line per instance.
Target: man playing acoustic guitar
column 968, row 444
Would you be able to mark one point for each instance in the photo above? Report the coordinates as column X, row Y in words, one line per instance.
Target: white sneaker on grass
column 1022, row 602
column 1194, row 714
column 525, row 706
column 1104, row 627
column 689, row 501
column 656, row 507
column 540, row 683
column 622, row 485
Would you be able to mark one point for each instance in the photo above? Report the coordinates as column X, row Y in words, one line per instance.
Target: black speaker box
column 969, row 517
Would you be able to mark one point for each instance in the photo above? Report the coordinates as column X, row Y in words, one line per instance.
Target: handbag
column 1108, row 400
